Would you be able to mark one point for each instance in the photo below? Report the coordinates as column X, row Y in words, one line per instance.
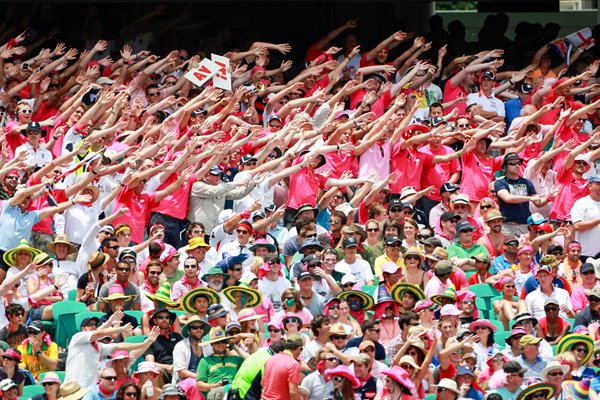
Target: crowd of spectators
column 372, row 224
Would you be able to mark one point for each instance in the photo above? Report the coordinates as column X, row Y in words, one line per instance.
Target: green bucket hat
column 215, row 271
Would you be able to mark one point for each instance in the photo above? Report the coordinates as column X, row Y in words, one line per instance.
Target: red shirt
column 478, row 172
column 452, row 93
column 408, row 165
column 437, row 174
column 280, row 370
column 176, row 204
column 572, row 189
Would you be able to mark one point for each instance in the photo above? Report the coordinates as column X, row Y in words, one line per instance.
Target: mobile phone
column 25, row 66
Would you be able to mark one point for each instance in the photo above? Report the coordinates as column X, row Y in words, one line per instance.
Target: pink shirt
column 572, row 189
column 435, row 286
column 452, row 93
column 176, row 204
column 579, row 299
column 280, row 370
column 408, row 165
column 13, row 140
column 477, row 174
column 376, row 157
column 437, row 174
column 139, row 211
column 180, row 288
column 340, row 162
column 304, row 187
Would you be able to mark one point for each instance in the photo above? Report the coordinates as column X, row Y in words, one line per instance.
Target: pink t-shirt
column 437, row 174
column 139, row 211
column 13, row 140
column 408, row 165
column 478, row 172
column 176, row 204
column 572, row 189
column 304, row 187
column 579, row 299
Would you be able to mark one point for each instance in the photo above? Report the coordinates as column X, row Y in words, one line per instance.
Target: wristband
column 73, row 202
column 94, row 172
column 245, row 214
column 54, row 137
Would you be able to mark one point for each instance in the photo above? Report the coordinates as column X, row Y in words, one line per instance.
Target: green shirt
column 458, row 250
column 252, row 367
column 176, row 276
column 214, row 368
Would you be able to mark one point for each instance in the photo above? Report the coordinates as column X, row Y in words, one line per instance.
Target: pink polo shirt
column 340, row 162
column 452, row 93
column 437, row 174
column 477, row 174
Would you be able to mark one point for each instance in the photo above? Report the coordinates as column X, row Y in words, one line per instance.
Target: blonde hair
column 256, row 264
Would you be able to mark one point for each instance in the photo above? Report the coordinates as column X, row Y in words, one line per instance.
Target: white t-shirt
column 543, row 185
column 79, row 219
column 360, row 269
column 489, row 104
column 273, row 290
column 586, row 209
column 83, row 359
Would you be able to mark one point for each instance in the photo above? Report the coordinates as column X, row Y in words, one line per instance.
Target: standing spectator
column 282, row 372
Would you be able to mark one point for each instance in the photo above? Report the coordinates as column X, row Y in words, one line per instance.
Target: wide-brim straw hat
column 367, row 301
column 187, row 301
column 61, row 239
column 70, row 390
column 10, row 256
column 399, row 288
column 254, row 296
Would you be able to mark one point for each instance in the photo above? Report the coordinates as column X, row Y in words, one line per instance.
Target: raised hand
column 100, row 46
column 284, row 48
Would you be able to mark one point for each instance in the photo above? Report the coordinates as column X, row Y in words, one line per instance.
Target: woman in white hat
column 51, row 383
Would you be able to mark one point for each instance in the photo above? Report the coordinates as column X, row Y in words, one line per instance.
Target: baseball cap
column 551, row 301
column 543, row 268
column 349, row 242
column 448, row 215
column 536, row 219
column 462, row 225
column 585, row 267
column 488, row 74
column 529, row 339
column 514, row 366
column 304, row 275
column 348, row 278
column 510, row 239
column 394, row 203
column 526, row 88
column 246, row 158
column 365, row 344
column 438, row 121
column 449, row 188
column 36, row 327
column 512, row 156
column 215, row 170
column 594, row 179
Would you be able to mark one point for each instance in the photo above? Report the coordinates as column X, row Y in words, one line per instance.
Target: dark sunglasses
column 122, row 269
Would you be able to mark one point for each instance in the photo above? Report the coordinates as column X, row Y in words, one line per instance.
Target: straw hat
column 97, row 260
column 10, row 255
column 549, row 388
column 216, row 334
column 438, row 254
column 42, row 259
column 248, row 314
column 116, row 292
column 61, row 239
column 187, row 301
column 569, row 341
column 70, row 390
column 449, row 293
column 95, row 192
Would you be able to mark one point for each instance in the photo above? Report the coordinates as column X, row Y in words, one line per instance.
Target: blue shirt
column 15, row 225
column 518, row 212
column 500, row 263
column 512, row 110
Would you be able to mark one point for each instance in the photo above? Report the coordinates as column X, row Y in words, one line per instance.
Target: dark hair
column 121, row 393
column 300, row 222
column 13, row 308
column 151, row 86
column 106, row 242
column 341, row 216
column 296, row 295
column 405, row 318
column 317, row 323
column 154, row 249
column 278, row 347
column 436, row 104
column 368, row 324
column 188, row 232
column 191, row 258
column 493, row 396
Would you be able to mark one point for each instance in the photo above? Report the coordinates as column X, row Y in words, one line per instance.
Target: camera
column 225, row 381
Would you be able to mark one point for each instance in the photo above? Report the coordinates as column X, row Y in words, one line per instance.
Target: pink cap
column 116, row 288
column 146, row 366
column 450, row 309
column 166, row 257
column 119, row 355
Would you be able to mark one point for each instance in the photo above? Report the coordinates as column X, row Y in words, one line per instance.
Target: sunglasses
column 190, row 266
column 480, row 327
column 540, row 395
column 398, row 245
column 368, row 350
column 113, row 247
column 292, row 320
column 509, row 286
column 49, row 383
column 122, row 269
column 333, row 359
column 154, row 273
column 497, row 359
column 469, row 302
column 336, row 337
column 467, row 231
column 130, row 394
column 557, row 373
column 236, row 269
column 338, row 379
column 11, row 177
column 348, row 285
column 26, row 111
column 236, row 332
column 154, row 94
column 109, row 378
column 372, row 229
column 423, row 236
column 512, row 164
column 198, row 232
column 162, row 317
column 463, row 125
column 274, row 262
column 550, row 308
column 195, row 327
column 375, row 330
column 273, row 330
column 407, row 366
column 588, row 273
column 242, row 231
column 412, row 258
column 334, row 307
column 485, row 207
column 580, row 349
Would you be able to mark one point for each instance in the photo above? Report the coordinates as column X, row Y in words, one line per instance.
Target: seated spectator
column 39, row 352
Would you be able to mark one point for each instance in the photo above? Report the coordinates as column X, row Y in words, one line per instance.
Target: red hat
column 344, row 372
column 246, row 224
